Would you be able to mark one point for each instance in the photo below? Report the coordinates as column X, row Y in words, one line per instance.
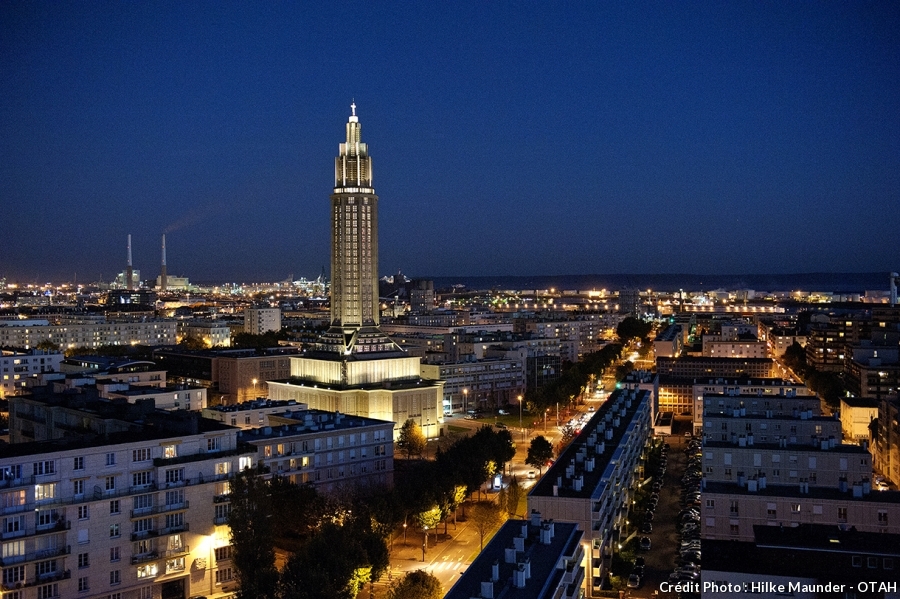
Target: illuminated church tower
column 354, row 253
column 355, row 368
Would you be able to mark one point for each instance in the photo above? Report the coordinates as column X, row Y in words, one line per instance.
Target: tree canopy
column 411, row 439
column 633, row 328
column 485, row 517
column 539, row 453
column 417, row 585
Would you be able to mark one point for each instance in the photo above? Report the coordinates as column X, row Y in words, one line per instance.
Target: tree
column 633, row 328
column 539, row 453
column 334, row 564
column 795, row 358
column 428, row 520
column 411, row 439
column 485, row 518
column 503, row 501
column 623, row 369
column 47, row 345
column 252, row 534
column 192, row 342
column 514, row 495
column 417, row 585
column 299, row 509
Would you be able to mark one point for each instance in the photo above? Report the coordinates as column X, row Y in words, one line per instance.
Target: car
column 590, row 408
column 639, row 570
column 634, row 581
column 646, row 528
column 499, row 425
column 644, row 544
column 639, row 561
column 503, row 412
column 531, row 475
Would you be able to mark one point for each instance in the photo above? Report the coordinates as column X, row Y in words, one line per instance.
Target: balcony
column 60, row 525
column 52, row 577
column 9, row 483
column 173, row 529
column 175, row 552
column 36, row 555
column 144, row 557
column 144, row 534
column 159, row 509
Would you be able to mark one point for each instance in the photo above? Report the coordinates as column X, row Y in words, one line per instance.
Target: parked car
column 634, row 581
column 644, row 544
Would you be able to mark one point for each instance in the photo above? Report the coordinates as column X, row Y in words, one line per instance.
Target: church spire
column 353, row 166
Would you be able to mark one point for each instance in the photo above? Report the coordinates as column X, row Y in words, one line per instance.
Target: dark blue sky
column 507, row 138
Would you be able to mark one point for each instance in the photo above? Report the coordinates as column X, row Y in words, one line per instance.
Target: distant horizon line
column 826, row 273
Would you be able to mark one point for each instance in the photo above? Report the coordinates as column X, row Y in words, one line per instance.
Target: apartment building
column 592, row 482
column 334, row 452
column 19, row 370
column 258, row 321
column 251, row 414
column 211, row 333
column 533, row 558
column 129, row 515
column 27, row 334
column 716, row 347
column 669, row 342
column 753, row 396
column 773, row 468
column 486, row 383
column 707, row 367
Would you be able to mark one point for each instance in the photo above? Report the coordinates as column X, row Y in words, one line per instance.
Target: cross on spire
column 353, row 108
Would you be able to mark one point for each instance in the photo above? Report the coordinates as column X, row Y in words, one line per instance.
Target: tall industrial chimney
column 129, row 270
column 162, row 271
column 894, row 279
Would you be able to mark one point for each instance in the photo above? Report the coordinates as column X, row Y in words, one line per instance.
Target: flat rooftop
column 543, row 560
column 308, row 421
column 592, row 479
column 793, row 491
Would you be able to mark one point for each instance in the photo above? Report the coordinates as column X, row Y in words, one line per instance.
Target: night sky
column 507, row 138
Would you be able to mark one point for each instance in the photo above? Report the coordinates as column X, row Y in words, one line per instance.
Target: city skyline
column 741, row 138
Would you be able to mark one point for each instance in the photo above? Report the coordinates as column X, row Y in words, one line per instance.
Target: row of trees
column 573, row 379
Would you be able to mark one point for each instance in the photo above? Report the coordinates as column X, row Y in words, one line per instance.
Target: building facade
column 19, row 370
column 27, row 336
column 258, row 321
column 594, row 480
column 139, row 515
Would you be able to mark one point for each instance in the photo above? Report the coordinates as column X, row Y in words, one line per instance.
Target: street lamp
column 425, row 543
column 254, row 388
column 520, row 419
column 465, row 401
column 404, row 531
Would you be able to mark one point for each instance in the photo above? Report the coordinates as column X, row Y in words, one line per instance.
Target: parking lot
column 671, row 526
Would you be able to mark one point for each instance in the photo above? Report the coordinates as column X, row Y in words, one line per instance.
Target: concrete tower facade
column 354, row 252
column 355, row 368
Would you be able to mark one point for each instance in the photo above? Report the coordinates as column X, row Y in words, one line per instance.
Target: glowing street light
column 520, row 419
column 465, row 401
